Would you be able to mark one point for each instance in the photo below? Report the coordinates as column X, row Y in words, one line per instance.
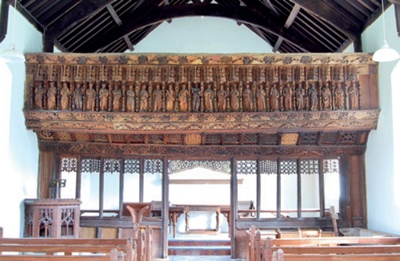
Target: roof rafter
column 84, row 10
column 330, row 14
column 116, row 18
column 268, row 21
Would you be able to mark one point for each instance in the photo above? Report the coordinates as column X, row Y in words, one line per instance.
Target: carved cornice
column 201, row 122
column 199, row 59
column 198, row 151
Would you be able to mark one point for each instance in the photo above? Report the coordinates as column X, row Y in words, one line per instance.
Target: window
column 102, row 184
column 291, row 188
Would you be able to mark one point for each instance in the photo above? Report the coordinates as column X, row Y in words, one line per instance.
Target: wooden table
column 218, row 209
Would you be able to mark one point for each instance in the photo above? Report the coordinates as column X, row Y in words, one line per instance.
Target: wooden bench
column 322, row 248
column 303, row 233
column 24, row 249
column 334, row 248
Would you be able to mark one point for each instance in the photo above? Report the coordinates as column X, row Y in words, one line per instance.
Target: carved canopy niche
column 280, row 104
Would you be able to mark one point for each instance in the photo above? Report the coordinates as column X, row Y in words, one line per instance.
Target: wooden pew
column 25, row 249
column 264, row 248
column 332, row 248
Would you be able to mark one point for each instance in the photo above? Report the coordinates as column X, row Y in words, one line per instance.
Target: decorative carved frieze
column 198, row 83
column 204, row 122
column 198, row 151
column 313, row 104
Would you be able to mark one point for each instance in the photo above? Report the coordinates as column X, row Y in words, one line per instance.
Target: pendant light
column 11, row 55
column 385, row 53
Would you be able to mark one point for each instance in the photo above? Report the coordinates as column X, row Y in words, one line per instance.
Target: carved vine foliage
column 183, row 84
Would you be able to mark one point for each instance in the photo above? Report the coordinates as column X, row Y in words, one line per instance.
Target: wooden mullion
column 234, row 206
column 121, row 185
column 299, row 205
column 165, row 208
column 141, row 179
column 101, row 187
column 258, row 200
column 278, row 190
column 78, row 177
column 321, row 188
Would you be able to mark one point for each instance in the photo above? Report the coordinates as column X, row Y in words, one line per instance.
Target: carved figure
column 326, row 98
column 103, row 97
column 170, row 98
column 183, row 97
column 261, row 94
column 287, row 97
column 247, row 98
column 157, row 98
column 130, row 99
column 196, row 94
column 339, row 97
column 221, row 98
column 209, row 99
column 234, row 98
column 90, row 98
column 353, row 96
column 299, row 93
column 78, row 94
column 274, row 98
column 313, row 95
column 65, row 95
column 52, row 97
column 117, row 95
column 144, row 99
column 39, row 95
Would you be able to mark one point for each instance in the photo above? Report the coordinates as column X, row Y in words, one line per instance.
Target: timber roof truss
column 115, row 26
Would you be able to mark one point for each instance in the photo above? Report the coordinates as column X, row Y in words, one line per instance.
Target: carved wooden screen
column 149, row 83
column 145, row 104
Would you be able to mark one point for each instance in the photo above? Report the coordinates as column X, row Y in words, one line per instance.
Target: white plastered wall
column 383, row 151
column 18, row 149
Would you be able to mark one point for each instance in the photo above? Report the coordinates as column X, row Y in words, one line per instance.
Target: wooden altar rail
column 24, row 249
column 322, row 248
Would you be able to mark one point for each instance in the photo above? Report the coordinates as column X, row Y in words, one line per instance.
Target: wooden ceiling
column 114, row 26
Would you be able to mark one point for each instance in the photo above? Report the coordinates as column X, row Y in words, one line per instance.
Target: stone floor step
column 196, row 242
column 200, row 250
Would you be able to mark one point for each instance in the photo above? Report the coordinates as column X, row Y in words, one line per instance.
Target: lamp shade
column 385, row 54
column 12, row 56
